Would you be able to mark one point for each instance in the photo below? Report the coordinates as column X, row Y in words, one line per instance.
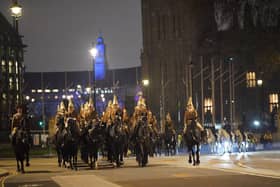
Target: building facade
column 218, row 52
column 11, row 71
column 45, row 91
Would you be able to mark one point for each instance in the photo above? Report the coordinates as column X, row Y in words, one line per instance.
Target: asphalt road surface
column 243, row 169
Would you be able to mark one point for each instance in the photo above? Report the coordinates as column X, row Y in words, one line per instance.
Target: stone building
column 11, row 71
column 214, row 51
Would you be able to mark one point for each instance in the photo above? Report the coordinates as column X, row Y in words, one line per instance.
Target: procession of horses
column 115, row 135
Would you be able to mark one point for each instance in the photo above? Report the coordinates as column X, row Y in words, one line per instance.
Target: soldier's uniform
column 169, row 126
column 191, row 114
column 60, row 117
column 17, row 122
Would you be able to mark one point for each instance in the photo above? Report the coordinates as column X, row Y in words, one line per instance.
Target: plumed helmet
column 168, row 116
column 115, row 101
column 109, row 103
column 71, row 105
column 90, row 103
column 189, row 103
column 62, row 106
column 191, row 113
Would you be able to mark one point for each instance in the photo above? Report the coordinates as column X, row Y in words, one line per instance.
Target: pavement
column 253, row 169
column 3, row 173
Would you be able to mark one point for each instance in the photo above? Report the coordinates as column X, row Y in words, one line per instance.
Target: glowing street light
column 93, row 52
column 16, row 10
column 256, row 123
column 146, row 82
column 259, row 82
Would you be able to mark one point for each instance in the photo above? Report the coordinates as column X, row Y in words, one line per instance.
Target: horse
column 159, row 141
column 193, row 137
column 21, row 148
column 210, row 140
column 142, row 141
column 224, row 141
column 240, row 140
column 170, row 141
column 118, row 136
column 59, row 139
column 95, row 141
column 71, row 142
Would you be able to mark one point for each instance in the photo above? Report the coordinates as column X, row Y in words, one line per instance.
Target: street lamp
column 93, row 52
column 259, row 82
column 16, row 13
column 145, row 82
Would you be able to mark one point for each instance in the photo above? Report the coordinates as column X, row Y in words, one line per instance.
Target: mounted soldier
column 90, row 113
column 192, row 133
column 71, row 112
column 191, row 115
column 170, row 135
column 17, row 121
column 20, row 132
column 141, row 135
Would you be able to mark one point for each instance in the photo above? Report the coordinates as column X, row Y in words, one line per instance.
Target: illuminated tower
column 100, row 59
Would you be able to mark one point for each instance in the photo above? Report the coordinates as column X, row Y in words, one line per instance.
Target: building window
column 207, row 105
column 16, row 67
column 251, row 79
column 3, row 66
column 11, row 83
column 17, row 85
column 273, row 102
column 10, row 67
column 4, row 96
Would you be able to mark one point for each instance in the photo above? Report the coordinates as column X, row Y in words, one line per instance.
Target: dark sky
column 59, row 33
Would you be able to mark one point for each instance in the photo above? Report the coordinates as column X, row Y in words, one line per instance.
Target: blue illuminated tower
column 100, row 59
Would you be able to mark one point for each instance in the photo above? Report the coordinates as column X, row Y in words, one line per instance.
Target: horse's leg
column 95, row 157
column 27, row 155
column 22, row 165
column 18, row 167
column 193, row 156
column 190, row 154
column 197, row 154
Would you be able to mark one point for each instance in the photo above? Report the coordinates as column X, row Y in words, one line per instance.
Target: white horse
column 241, row 140
column 224, row 141
column 211, row 140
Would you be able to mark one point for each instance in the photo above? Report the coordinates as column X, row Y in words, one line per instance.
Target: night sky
column 59, row 33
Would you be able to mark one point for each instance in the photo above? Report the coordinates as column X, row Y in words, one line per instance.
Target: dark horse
column 142, row 141
column 71, row 142
column 21, row 148
column 94, row 142
column 59, row 139
column 193, row 138
column 118, row 136
column 170, row 142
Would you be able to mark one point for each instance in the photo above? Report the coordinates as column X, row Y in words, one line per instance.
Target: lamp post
column 93, row 52
column 16, row 13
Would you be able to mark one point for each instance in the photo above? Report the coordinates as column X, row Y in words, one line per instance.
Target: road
column 244, row 169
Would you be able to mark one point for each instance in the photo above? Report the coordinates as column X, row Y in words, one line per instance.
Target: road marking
column 9, row 176
column 251, row 171
column 181, row 175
